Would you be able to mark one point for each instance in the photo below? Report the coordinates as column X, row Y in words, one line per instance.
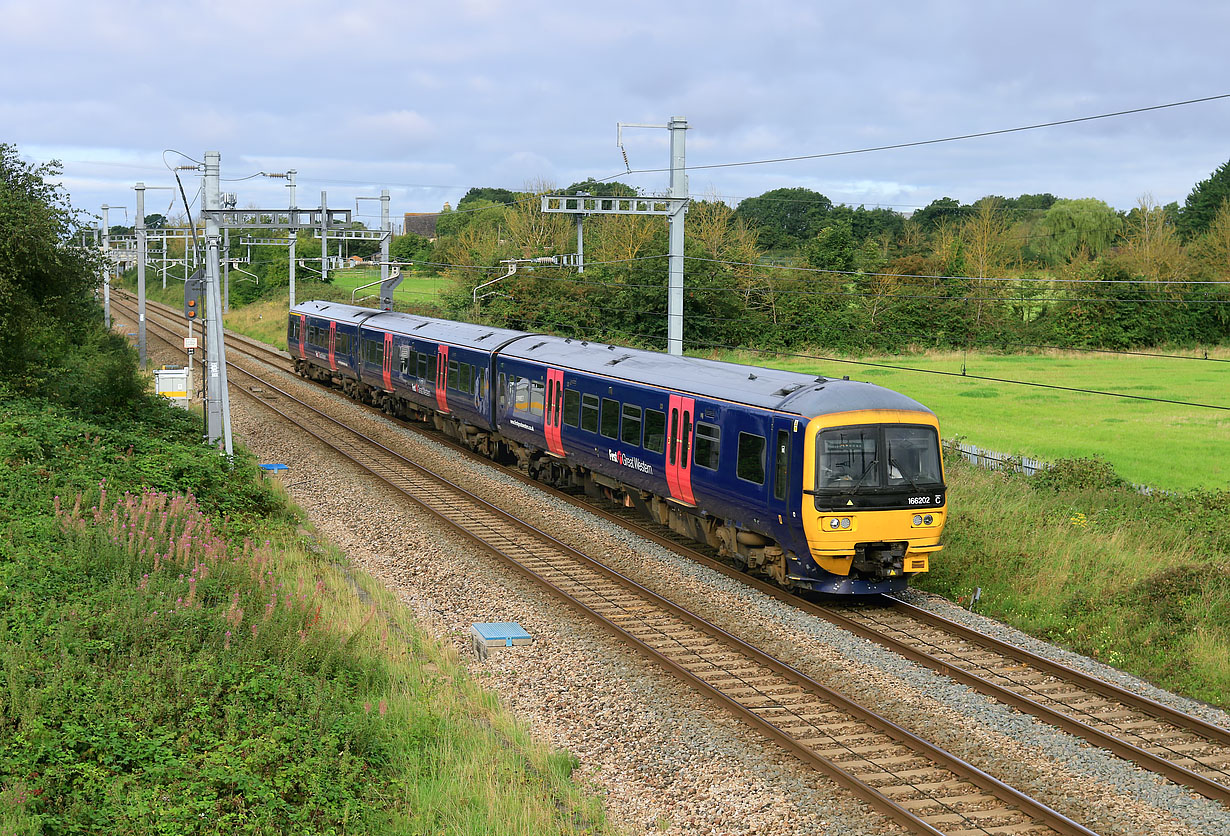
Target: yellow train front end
column 874, row 499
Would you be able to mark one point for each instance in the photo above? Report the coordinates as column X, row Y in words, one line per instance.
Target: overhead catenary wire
column 937, row 141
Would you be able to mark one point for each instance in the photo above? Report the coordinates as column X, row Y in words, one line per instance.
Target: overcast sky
column 429, row 99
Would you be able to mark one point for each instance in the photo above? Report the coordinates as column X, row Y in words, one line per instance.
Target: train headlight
column 834, row 523
column 845, row 522
column 918, row 519
column 928, row 519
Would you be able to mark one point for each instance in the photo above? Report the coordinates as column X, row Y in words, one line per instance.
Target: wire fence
column 992, row 460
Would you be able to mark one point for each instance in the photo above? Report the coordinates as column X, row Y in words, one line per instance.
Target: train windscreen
column 877, row 457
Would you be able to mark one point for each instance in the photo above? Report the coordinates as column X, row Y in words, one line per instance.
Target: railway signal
column 193, row 289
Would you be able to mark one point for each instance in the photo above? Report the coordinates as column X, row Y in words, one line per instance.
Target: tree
column 785, row 218
column 51, row 334
column 1203, row 202
column 940, row 211
column 487, row 194
column 1086, row 225
column 833, row 248
column 593, row 187
column 1151, row 245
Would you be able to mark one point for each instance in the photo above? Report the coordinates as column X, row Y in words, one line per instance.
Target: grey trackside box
column 487, row 637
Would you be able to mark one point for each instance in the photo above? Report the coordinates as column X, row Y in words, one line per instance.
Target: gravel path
column 667, row 761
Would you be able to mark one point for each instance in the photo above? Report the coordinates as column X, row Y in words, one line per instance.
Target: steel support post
column 226, row 271
column 142, row 252
column 324, row 237
column 679, row 190
column 294, row 233
column 218, row 405
column 386, row 226
column 580, row 243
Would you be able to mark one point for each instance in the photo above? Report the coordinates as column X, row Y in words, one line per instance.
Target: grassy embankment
column 179, row 655
column 1141, row 583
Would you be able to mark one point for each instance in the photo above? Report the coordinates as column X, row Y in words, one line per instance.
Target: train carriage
column 822, row 484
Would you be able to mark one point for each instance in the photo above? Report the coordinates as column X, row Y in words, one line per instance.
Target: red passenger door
column 679, row 428
column 388, row 361
column 442, row 378
column 333, row 343
column 554, row 410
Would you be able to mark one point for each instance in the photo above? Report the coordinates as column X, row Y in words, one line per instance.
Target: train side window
column 465, row 376
column 750, row 464
column 503, row 391
column 521, row 386
column 655, row 431
column 781, row 478
column 708, row 444
column 687, row 438
column 480, row 381
column 431, row 368
column 537, row 395
column 674, row 434
column 422, row 358
column 373, row 352
column 572, row 407
column 294, row 329
column 610, row 418
column 630, row 431
column 450, row 380
column 589, row 413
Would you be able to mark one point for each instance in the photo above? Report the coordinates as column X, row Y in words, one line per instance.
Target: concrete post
column 386, row 226
column 324, row 237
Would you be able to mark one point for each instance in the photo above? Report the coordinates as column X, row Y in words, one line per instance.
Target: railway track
column 904, row 777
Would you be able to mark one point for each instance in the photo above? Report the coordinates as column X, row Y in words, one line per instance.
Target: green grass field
column 414, row 289
column 1162, row 445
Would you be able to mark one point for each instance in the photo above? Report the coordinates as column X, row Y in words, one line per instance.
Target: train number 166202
column 925, row 500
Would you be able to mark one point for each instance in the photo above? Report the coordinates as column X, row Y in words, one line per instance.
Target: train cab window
column 847, row 458
column 687, row 438
column 537, row 396
column 708, row 443
column 294, row 329
column 913, row 456
column 750, row 464
column 610, row 418
column 630, row 430
column 589, row 413
column 781, row 477
column 655, row 431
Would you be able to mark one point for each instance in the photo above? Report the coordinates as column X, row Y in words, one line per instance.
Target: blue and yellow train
column 821, row 484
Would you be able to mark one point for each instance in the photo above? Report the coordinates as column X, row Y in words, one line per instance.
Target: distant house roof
column 422, row 223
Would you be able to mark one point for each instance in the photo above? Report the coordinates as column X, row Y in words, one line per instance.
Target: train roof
column 774, row 389
column 463, row 334
column 784, row 391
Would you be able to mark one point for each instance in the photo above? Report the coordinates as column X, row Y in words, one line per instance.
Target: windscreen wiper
column 904, row 475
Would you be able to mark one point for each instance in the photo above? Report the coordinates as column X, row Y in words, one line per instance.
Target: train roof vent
column 751, row 376
column 422, row 325
column 484, row 336
column 618, row 360
column 786, row 390
column 538, row 345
